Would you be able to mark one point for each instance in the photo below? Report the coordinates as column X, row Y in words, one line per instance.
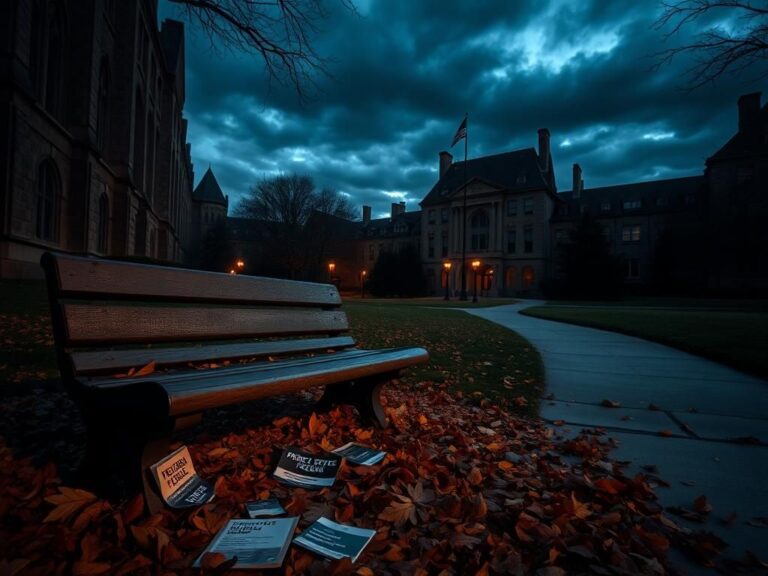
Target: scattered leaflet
column 269, row 507
column 179, row 484
column 361, row 455
column 300, row 468
column 333, row 540
column 258, row 543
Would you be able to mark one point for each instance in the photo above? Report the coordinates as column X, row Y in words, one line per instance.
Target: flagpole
column 463, row 295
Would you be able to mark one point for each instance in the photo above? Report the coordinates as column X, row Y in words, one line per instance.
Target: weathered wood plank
column 223, row 389
column 106, row 324
column 192, row 391
column 82, row 277
column 103, row 361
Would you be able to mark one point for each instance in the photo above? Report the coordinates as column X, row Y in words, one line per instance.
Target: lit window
column 630, row 233
column 528, row 206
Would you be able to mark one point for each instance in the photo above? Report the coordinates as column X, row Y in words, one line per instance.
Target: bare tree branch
column 281, row 32
column 737, row 44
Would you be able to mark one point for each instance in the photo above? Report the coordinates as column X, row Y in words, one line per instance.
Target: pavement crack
column 682, row 425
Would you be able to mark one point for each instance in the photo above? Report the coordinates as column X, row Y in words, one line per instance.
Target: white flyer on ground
column 179, row 484
column 334, row 540
column 359, row 454
column 260, row 543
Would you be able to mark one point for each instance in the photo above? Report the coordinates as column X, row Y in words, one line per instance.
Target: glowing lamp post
column 232, row 271
column 363, row 275
column 331, row 270
column 475, row 267
column 240, row 264
column 447, row 268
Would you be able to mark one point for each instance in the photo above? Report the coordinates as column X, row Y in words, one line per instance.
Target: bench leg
column 153, row 451
column 363, row 394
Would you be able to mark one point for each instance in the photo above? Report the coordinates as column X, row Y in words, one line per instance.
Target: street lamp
column 232, row 271
column 475, row 267
column 363, row 274
column 240, row 264
column 447, row 268
column 331, row 270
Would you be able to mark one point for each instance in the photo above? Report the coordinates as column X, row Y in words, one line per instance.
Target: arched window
column 36, row 48
column 511, row 279
column 47, row 202
column 102, row 110
column 152, row 243
column 54, row 74
column 479, row 224
column 139, row 125
column 529, row 277
column 103, row 232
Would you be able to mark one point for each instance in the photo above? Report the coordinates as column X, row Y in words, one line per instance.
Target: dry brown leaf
column 67, row 502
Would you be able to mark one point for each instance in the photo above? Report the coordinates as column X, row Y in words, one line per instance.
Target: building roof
column 752, row 143
column 403, row 224
column 654, row 197
column 515, row 171
column 208, row 190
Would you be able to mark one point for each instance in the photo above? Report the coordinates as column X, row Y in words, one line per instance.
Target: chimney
column 366, row 215
column 578, row 183
column 445, row 162
column 749, row 111
column 394, row 211
column 544, row 148
column 402, row 207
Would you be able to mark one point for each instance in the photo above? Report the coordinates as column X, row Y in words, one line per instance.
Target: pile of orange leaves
column 466, row 488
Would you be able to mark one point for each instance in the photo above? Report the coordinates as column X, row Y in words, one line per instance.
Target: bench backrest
column 98, row 304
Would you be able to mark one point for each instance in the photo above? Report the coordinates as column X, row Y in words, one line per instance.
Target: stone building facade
column 94, row 156
column 510, row 199
column 695, row 234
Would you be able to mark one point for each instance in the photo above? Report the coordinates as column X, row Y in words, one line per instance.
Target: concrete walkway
column 714, row 415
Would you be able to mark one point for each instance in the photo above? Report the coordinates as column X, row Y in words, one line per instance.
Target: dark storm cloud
column 403, row 73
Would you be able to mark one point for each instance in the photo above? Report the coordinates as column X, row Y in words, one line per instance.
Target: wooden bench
column 110, row 316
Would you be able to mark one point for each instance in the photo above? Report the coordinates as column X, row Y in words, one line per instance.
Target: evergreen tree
column 591, row 272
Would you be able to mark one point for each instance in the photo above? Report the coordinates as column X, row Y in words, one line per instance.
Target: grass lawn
column 468, row 353
column 733, row 336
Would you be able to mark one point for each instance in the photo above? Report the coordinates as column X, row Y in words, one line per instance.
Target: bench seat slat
column 101, row 361
column 193, row 391
column 250, row 385
column 83, row 277
column 192, row 375
column 106, row 324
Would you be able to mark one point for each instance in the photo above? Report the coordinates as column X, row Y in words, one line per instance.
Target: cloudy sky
column 404, row 73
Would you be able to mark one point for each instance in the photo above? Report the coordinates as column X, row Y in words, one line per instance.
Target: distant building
column 510, row 199
column 93, row 143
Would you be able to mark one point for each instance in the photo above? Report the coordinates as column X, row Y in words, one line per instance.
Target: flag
column 460, row 133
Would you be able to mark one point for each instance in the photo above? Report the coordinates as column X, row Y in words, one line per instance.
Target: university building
column 698, row 234
column 93, row 143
